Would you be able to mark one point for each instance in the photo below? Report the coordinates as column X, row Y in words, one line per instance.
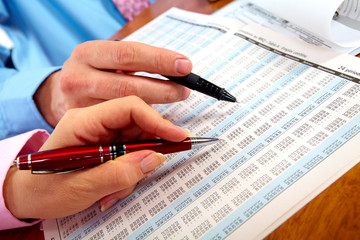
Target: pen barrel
column 199, row 84
column 210, row 89
column 65, row 158
column 158, row 145
column 190, row 81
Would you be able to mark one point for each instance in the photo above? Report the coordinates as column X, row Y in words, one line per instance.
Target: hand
column 57, row 195
column 103, row 70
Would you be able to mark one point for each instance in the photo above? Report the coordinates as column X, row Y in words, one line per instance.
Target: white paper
column 351, row 9
column 309, row 21
column 289, row 136
column 315, row 16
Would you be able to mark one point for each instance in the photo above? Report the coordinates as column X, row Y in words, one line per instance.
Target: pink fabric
column 9, row 148
column 131, row 8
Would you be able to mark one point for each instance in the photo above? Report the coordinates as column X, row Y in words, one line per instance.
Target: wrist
column 43, row 99
column 9, row 192
column 16, row 200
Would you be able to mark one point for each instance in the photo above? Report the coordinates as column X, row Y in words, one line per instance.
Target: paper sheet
column 291, row 134
column 315, row 16
column 351, row 9
column 310, row 21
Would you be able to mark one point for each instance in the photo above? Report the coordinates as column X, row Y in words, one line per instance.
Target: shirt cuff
column 10, row 148
column 17, row 106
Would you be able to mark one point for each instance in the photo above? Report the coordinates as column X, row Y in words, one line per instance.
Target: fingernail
column 152, row 161
column 105, row 205
column 185, row 93
column 187, row 133
column 183, row 66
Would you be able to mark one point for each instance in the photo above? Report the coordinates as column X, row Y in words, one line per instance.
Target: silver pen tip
column 200, row 141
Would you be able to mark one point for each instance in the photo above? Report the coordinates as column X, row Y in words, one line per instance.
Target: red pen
column 75, row 158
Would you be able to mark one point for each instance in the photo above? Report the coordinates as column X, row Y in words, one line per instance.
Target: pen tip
column 228, row 97
column 198, row 141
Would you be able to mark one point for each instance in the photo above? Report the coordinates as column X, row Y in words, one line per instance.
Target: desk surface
column 333, row 214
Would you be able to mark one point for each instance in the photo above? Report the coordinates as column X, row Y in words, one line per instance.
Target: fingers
column 119, row 113
column 58, row 195
column 105, row 122
column 109, row 85
column 124, row 172
column 99, row 71
column 147, row 165
column 113, row 198
column 133, row 57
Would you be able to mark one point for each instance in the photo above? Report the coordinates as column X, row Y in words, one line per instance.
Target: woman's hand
column 102, row 70
column 56, row 195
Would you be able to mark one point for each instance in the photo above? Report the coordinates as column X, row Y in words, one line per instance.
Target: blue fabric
column 44, row 33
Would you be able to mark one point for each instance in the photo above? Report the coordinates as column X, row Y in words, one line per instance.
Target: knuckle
column 70, row 80
column 170, row 96
column 126, row 88
column 80, row 51
column 124, row 54
column 158, row 62
column 67, row 83
column 163, row 60
column 137, row 102
column 71, row 113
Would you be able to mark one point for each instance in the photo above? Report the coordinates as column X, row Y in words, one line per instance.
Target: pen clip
column 59, row 171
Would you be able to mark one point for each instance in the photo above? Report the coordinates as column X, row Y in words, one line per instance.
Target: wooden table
column 334, row 214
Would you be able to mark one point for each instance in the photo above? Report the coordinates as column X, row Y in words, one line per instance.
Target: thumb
column 109, row 200
column 122, row 174
column 77, row 190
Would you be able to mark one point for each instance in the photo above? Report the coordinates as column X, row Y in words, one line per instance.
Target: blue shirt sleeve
column 44, row 34
column 18, row 112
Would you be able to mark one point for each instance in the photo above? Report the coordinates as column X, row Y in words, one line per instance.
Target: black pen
column 199, row 84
